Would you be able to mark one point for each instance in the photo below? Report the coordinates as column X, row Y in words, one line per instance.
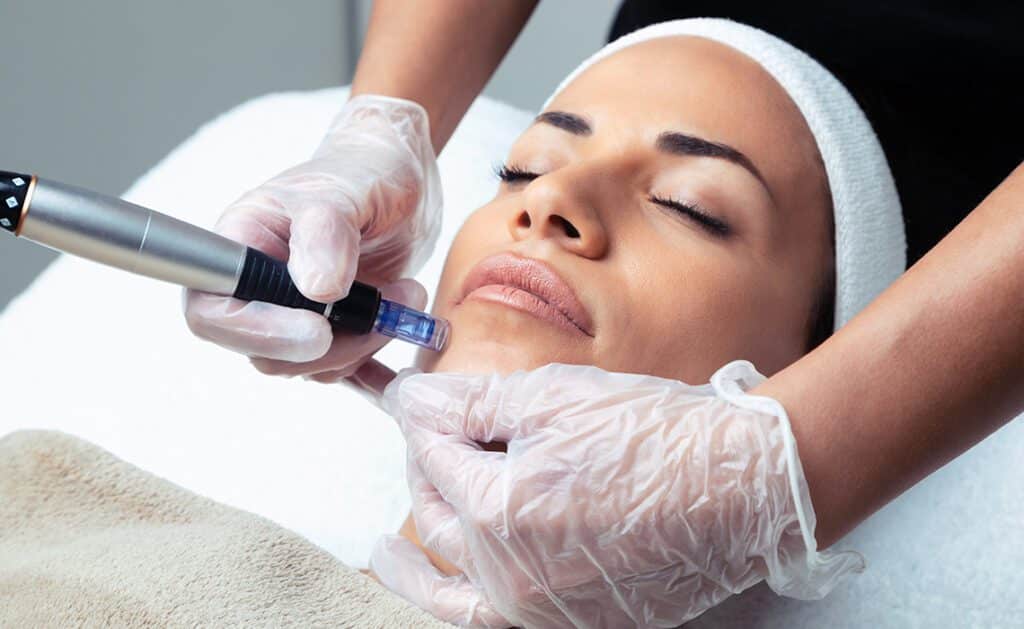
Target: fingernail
column 326, row 287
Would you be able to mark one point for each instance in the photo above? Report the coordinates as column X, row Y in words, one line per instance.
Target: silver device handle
column 137, row 239
column 130, row 237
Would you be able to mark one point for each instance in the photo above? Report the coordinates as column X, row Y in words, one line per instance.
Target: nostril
column 524, row 220
column 570, row 229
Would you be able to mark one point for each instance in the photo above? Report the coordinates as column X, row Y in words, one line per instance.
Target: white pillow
column 106, row 355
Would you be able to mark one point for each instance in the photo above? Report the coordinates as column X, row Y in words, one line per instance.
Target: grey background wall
column 94, row 93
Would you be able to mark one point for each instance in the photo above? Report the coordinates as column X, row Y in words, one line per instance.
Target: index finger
column 467, row 476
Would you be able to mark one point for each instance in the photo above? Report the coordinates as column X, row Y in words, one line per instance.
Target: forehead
column 698, row 86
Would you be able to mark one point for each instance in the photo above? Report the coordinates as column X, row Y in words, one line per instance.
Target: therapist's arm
column 437, row 53
column 933, row 366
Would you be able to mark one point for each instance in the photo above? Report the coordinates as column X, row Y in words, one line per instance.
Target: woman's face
column 667, row 213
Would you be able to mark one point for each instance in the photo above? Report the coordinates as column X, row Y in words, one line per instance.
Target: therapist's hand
column 621, row 500
column 369, row 201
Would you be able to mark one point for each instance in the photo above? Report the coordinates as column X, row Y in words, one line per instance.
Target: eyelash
column 512, row 174
column 714, row 226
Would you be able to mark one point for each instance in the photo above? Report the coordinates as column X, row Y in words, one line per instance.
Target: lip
column 528, row 285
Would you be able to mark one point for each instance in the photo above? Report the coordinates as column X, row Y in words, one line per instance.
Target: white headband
column 870, row 244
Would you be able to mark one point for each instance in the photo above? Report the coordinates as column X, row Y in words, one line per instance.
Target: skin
column 423, row 52
column 704, row 299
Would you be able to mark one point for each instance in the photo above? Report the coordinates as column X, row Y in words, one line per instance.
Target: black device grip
column 266, row 279
column 13, row 192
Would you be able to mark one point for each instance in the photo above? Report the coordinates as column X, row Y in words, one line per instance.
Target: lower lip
column 525, row 302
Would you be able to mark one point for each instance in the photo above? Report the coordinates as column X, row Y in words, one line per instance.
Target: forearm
column 933, row 366
column 438, row 54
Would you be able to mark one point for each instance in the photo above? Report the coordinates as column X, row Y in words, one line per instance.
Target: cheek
column 688, row 311
column 691, row 313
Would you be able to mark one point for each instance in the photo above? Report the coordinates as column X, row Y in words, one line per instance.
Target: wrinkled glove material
column 622, row 499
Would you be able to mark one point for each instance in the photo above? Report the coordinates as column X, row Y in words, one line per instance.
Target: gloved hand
column 622, row 499
column 369, row 200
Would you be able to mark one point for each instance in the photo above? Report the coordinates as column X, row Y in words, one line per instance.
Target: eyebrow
column 565, row 121
column 672, row 142
column 683, row 144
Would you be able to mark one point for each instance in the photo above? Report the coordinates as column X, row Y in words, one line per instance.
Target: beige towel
column 89, row 540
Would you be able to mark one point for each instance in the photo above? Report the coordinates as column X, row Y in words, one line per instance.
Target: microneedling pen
column 130, row 237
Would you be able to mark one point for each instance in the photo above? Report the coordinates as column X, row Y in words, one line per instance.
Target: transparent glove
column 369, row 201
column 403, row 567
column 622, row 499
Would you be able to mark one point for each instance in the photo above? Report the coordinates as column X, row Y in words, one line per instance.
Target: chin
column 488, row 338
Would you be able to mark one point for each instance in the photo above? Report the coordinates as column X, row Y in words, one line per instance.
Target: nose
column 554, row 207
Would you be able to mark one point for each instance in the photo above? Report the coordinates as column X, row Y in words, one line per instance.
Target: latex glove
column 622, row 499
column 369, row 200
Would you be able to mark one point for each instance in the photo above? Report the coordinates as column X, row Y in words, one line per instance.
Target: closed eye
column 513, row 174
column 713, row 225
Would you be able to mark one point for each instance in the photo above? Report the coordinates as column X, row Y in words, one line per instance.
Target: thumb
column 323, row 252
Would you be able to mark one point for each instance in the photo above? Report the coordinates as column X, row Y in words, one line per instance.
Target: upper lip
column 532, row 276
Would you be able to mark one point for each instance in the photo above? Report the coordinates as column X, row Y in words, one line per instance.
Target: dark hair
column 823, row 313
column 822, row 317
